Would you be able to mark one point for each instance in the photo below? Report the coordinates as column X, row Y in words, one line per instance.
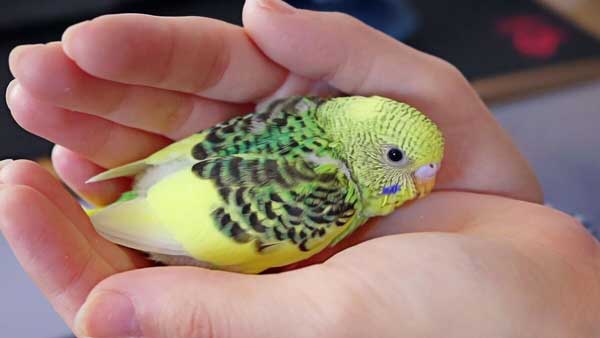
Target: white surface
column 559, row 132
column 24, row 312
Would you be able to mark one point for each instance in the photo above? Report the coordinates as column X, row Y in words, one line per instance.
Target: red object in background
column 532, row 35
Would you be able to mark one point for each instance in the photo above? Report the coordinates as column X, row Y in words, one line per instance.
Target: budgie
column 274, row 187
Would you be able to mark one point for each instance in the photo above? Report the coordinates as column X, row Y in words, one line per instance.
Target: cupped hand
column 119, row 87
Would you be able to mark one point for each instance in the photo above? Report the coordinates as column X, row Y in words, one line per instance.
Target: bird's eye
column 395, row 155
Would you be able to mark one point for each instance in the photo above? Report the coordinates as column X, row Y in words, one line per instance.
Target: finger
column 103, row 142
column 360, row 60
column 442, row 211
column 30, row 174
column 347, row 53
column 494, row 218
column 298, row 85
column 75, row 170
column 194, row 55
column 190, row 302
column 50, row 249
column 491, row 217
column 48, row 74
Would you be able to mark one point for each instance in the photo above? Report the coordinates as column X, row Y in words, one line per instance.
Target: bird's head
column 393, row 152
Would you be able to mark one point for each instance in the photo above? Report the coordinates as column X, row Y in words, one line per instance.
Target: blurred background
column 536, row 63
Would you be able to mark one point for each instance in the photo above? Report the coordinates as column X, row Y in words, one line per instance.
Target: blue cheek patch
column 391, row 189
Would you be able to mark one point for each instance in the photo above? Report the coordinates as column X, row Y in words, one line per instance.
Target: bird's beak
column 424, row 179
column 425, row 186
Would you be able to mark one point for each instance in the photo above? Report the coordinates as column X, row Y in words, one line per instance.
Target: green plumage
column 259, row 165
column 285, row 127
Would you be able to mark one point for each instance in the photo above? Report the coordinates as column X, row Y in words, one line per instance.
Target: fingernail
column 68, row 33
column 5, row 162
column 276, row 6
column 15, row 52
column 10, row 90
column 107, row 314
column 15, row 55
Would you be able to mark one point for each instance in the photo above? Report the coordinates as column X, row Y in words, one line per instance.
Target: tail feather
column 134, row 224
column 130, row 169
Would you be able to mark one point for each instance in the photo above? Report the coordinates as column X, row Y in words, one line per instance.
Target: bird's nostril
column 427, row 171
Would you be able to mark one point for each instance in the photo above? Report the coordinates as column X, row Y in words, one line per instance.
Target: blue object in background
column 397, row 18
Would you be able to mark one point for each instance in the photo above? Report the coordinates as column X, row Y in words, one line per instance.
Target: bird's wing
column 276, row 199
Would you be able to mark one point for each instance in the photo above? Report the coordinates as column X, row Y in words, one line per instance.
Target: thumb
column 183, row 302
column 348, row 54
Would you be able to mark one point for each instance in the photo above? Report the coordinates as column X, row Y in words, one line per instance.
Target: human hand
column 505, row 269
column 186, row 74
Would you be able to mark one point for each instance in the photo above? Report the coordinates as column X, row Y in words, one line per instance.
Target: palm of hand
column 133, row 105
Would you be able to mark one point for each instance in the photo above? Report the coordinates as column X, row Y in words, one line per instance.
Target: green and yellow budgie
column 274, row 187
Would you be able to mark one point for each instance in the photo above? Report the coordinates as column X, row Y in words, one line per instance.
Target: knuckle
column 348, row 21
column 344, row 292
column 340, row 16
column 18, row 194
column 190, row 320
column 101, row 147
column 168, row 63
column 63, row 292
column 175, row 120
column 214, row 64
column 449, row 69
column 442, row 79
column 448, row 77
column 568, row 235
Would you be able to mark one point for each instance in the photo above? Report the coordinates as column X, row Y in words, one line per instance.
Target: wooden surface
column 584, row 13
column 517, row 85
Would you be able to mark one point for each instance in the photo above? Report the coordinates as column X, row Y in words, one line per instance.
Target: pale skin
column 478, row 258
